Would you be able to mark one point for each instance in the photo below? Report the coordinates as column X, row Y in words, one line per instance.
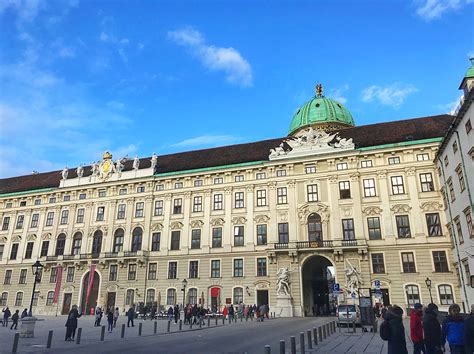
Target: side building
column 329, row 203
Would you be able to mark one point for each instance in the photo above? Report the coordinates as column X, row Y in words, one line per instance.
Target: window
column 373, row 225
column 70, row 274
column 3, row 299
column 100, row 213
column 262, row 234
column 312, row 192
column 2, row 248
column 195, row 238
column 468, row 216
column 175, row 236
column 37, row 201
column 192, row 296
column 139, row 207
column 155, row 241
column 239, row 178
column 218, row 180
column 238, row 235
column 53, row 275
column 150, row 296
column 39, row 275
column 348, row 229
column 172, row 270
column 178, row 185
column 446, row 294
column 315, row 230
column 446, row 161
column 434, row 224
column 369, row 187
column 217, row 237
column 215, row 268
column 197, row 204
column 283, row 235
column 8, row 277
column 14, row 251
column 34, row 220
column 129, row 299
column 261, row 197
column 344, row 190
column 44, row 249
column 80, row 215
column 238, row 295
column 397, row 185
column 440, row 261
column 171, row 297
column 280, row 173
column 468, row 126
column 378, row 265
column 152, row 271
column 238, row 267
column 260, row 175
column 97, row 242
column 121, row 208
column 282, row 195
column 341, row 166
column 198, row 183
column 177, row 206
column 76, row 243
column 160, row 187
column 158, row 208
column 118, row 240
column 366, row 163
column 113, row 272
column 460, row 173
column 8, row 205
column 64, row 217
column 137, row 236
column 19, row 222
column 423, row 157
column 52, row 200
column 217, row 202
column 413, row 295
column 5, row 223
column 451, row 189
column 261, row 267
column 193, row 269
column 29, row 250
column 310, row 169
column 455, row 147
column 393, row 160
column 426, row 180
column 403, row 226
column 445, row 197
column 132, row 272
column 140, row 189
column 102, row 193
column 18, row 298
column 82, row 196
column 23, row 203
column 22, row 279
column 239, row 200
column 122, row 191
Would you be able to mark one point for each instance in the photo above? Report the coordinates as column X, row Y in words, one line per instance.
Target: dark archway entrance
column 92, row 301
column 318, row 276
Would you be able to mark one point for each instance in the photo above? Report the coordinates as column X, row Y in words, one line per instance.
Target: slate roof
column 363, row 136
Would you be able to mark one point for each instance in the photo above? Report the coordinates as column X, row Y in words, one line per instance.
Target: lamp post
column 184, row 283
column 37, row 267
column 428, row 285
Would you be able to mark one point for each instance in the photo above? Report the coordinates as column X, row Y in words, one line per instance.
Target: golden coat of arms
column 106, row 166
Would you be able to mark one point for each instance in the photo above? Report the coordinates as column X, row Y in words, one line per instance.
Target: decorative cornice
column 372, row 210
column 400, row 208
column 431, row 206
column 307, row 209
column 157, row 227
column 238, row 220
column 196, row 224
column 217, row 222
column 176, row 225
column 261, row 219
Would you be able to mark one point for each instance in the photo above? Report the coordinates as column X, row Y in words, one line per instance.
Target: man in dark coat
column 6, row 316
column 396, row 342
column 432, row 330
column 176, row 312
column 130, row 316
column 469, row 332
column 71, row 323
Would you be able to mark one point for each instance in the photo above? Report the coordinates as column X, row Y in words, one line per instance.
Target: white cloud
column 392, row 95
column 237, row 69
column 115, row 105
column 450, row 107
column 208, row 141
column 434, row 9
column 337, row 93
column 26, row 10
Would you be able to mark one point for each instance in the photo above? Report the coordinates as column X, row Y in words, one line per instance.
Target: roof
column 364, row 136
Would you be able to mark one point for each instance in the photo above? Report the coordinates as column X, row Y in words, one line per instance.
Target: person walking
column 225, row 312
column 110, row 320
column 432, row 330
column 24, row 313
column 267, row 311
column 116, row 316
column 170, row 313
column 98, row 316
column 261, row 312
column 469, row 332
column 231, row 312
column 15, row 318
column 176, row 313
column 416, row 329
column 71, row 323
column 152, row 313
column 6, row 315
column 453, row 330
column 396, row 341
column 130, row 316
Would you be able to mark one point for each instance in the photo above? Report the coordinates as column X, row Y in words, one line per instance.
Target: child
column 15, row 318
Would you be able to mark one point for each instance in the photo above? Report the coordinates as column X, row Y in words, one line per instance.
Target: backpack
column 385, row 330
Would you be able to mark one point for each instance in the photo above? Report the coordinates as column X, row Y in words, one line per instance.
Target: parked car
column 347, row 314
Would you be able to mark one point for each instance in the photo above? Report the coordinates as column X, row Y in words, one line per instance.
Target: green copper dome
column 321, row 112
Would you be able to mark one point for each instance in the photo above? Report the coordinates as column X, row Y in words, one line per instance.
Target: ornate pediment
column 217, row 222
column 307, row 209
column 261, row 219
column 400, row 208
column 236, row 220
column 157, row 227
column 46, row 236
column 3, row 239
column 196, row 224
column 176, row 225
column 431, row 206
column 31, row 237
column 16, row 238
column 310, row 142
column 372, row 210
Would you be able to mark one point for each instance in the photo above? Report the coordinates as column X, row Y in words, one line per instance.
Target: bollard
column 268, row 349
column 200, row 322
column 301, row 342
column 50, row 338
column 310, row 342
column 78, row 338
column 102, row 333
column 315, row 336
column 208, row 321
column 320, row 334
column 333, row 326
column 122, row 334
column 180, row 325
column 190, row 324
column 328, row 330
column 230, row 319
column 155, row 327
column 216, row 320
column 293, row 345
column 246, row 318
column 223, row 320
column 139, row 329
column 324, row 332
column 169, row 325
column 15, row 342
column 241, row 318
column 282, row 346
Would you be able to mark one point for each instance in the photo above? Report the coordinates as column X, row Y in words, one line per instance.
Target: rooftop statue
column 80, row 171
column 154, row 161
column 136, row 163
column 65, row 172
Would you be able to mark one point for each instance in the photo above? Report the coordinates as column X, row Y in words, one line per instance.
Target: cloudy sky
column 136, row 77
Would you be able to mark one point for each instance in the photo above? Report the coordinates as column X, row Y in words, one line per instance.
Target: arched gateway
column 93, row 294
column 318, row 276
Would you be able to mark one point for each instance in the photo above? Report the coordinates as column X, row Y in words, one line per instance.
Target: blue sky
column 136, row 77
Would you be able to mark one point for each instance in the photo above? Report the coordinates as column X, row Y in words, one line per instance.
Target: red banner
column 215, row 292
column 59, row 278
column 89, row 285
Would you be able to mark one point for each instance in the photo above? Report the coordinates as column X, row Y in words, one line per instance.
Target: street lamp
column 37, row 267
column 184, row 283
column 428, row 285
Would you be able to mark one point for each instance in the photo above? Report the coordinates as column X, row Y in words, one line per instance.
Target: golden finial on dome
column 107, row 155
column 319, row 90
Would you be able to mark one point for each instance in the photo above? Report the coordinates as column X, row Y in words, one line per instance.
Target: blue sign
column 336, row 287
column 353, row 295
column 377, row 284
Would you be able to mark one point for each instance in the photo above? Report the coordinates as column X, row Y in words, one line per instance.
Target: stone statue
column 283, row 282
column 80, row 171
column 136, row 163
column 353, row 277
column 279, row 150
column 343, row 143
column 65, row 172
column 154, row 161
column 119, row 164
column 95, row 168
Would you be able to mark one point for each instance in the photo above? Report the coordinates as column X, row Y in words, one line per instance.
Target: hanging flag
column 89, row 285
column 59, row 278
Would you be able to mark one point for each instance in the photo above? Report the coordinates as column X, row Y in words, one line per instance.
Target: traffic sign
column 336, row 287
column 377, row 284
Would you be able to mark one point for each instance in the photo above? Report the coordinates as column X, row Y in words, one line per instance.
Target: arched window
column 238, row 295
column 315, row 230
column 137, row 239
column 97, row 242
column 446, row 294
column 413, row 294
column 3, row 299
column 192, row 296
column 171, row 297
column 19, row 298
column 60, row 243
column 118, row 240
column 130, row 297
column 76, row 243
column 150, row 297
column 50, row 298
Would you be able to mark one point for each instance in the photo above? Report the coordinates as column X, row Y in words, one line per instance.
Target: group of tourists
column 247, row 311
column 427, row 333
column 15, row 317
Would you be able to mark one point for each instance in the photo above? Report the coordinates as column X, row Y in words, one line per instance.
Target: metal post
column 216, row 320
column 50, row 338
column 302, row 342
column 223, row 320
column 155, row 327
column 180, row 325
column 268, row 349
column 230, row 320
column 324, row 332
column 139, row 329
column 122, row 334
column 102, row 333
column 79, row 334
column 315, row 336
column 30, row 313
column 354, row 327
column 327, row 329
column 200, row 322
column 208, row 321
column 282, row 346
column 190, row 324
column 320, row 334
column 293, row 344
column 169, row 325
column 310, row 342
column 241, row 318
column 15, row 342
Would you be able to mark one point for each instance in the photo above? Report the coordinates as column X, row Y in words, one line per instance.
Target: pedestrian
column 453, row 330
column 110, row 320
column 176, row 312
column 98, row 316
column 432, row 330
column 469, row 332
column 231, row 312
column 15, row 318
column 416, row 329
column 261, row 314
column 71, row 323
column 170, row 313
column 396, row 341
column 130, row 316
column 267, row 311
column 6, row 316
column 225, row 312
column 24, row 313
column 152, row 313
column 116, row 316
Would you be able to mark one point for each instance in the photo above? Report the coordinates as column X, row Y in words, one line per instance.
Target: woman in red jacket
column 225, row 312
column 416, row 329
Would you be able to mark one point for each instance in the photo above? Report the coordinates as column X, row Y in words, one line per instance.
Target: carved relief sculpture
column 353, row 277
column 283, row 281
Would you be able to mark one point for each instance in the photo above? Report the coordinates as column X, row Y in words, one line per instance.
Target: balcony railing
column 316, row 244
column 349, row 243
column 130, row 254
column 111, row 254
column 68, row 257
column 51, row 258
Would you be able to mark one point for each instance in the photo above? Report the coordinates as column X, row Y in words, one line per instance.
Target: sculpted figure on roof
column 154, row 161
column 65, row 172
column 80, row 171
column 136, row 163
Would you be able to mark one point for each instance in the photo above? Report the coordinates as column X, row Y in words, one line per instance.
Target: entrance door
column 94, row 293
column 262, row 297
column 385, row 297
column 66, row 304
column 215, row 296
column 111, row 300
column 318, row 278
